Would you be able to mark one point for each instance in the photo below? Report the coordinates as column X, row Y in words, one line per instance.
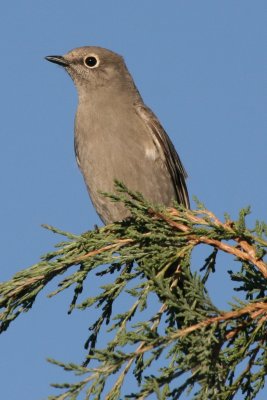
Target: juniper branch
column 150, row 253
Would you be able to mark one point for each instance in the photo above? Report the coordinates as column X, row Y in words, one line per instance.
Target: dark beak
column 58, row 60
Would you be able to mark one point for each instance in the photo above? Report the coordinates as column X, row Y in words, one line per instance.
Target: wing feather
column 171, row 158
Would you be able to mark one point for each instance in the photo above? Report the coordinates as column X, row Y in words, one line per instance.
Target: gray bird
column 117, row 136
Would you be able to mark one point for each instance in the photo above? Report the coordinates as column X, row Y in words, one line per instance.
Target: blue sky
column 200, row 65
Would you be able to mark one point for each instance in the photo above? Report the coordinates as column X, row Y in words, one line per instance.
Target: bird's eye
column 91, row 61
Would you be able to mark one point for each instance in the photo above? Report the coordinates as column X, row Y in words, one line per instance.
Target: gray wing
column 172, row 160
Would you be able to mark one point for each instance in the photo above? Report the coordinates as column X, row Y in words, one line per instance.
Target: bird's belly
column 129, row 157
column 138, row 173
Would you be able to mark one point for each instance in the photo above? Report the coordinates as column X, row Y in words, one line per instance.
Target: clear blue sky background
column 200, row 65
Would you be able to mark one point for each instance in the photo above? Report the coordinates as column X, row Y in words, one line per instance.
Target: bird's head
column 94, row 67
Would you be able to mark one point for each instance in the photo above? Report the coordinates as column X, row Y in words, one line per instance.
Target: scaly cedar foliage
column 187, row 344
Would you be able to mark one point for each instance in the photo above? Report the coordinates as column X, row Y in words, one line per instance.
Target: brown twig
column 248, row 252
column 249, row 309
column 114, row 246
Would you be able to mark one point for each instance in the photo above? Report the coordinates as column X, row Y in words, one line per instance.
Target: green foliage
column 187, row 345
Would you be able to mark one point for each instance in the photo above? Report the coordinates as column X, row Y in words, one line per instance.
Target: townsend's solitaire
column 117, row 136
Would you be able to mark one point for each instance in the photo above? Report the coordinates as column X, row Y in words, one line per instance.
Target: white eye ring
column 91, row 61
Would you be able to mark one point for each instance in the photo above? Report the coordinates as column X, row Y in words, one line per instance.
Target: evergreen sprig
column 187, row 344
